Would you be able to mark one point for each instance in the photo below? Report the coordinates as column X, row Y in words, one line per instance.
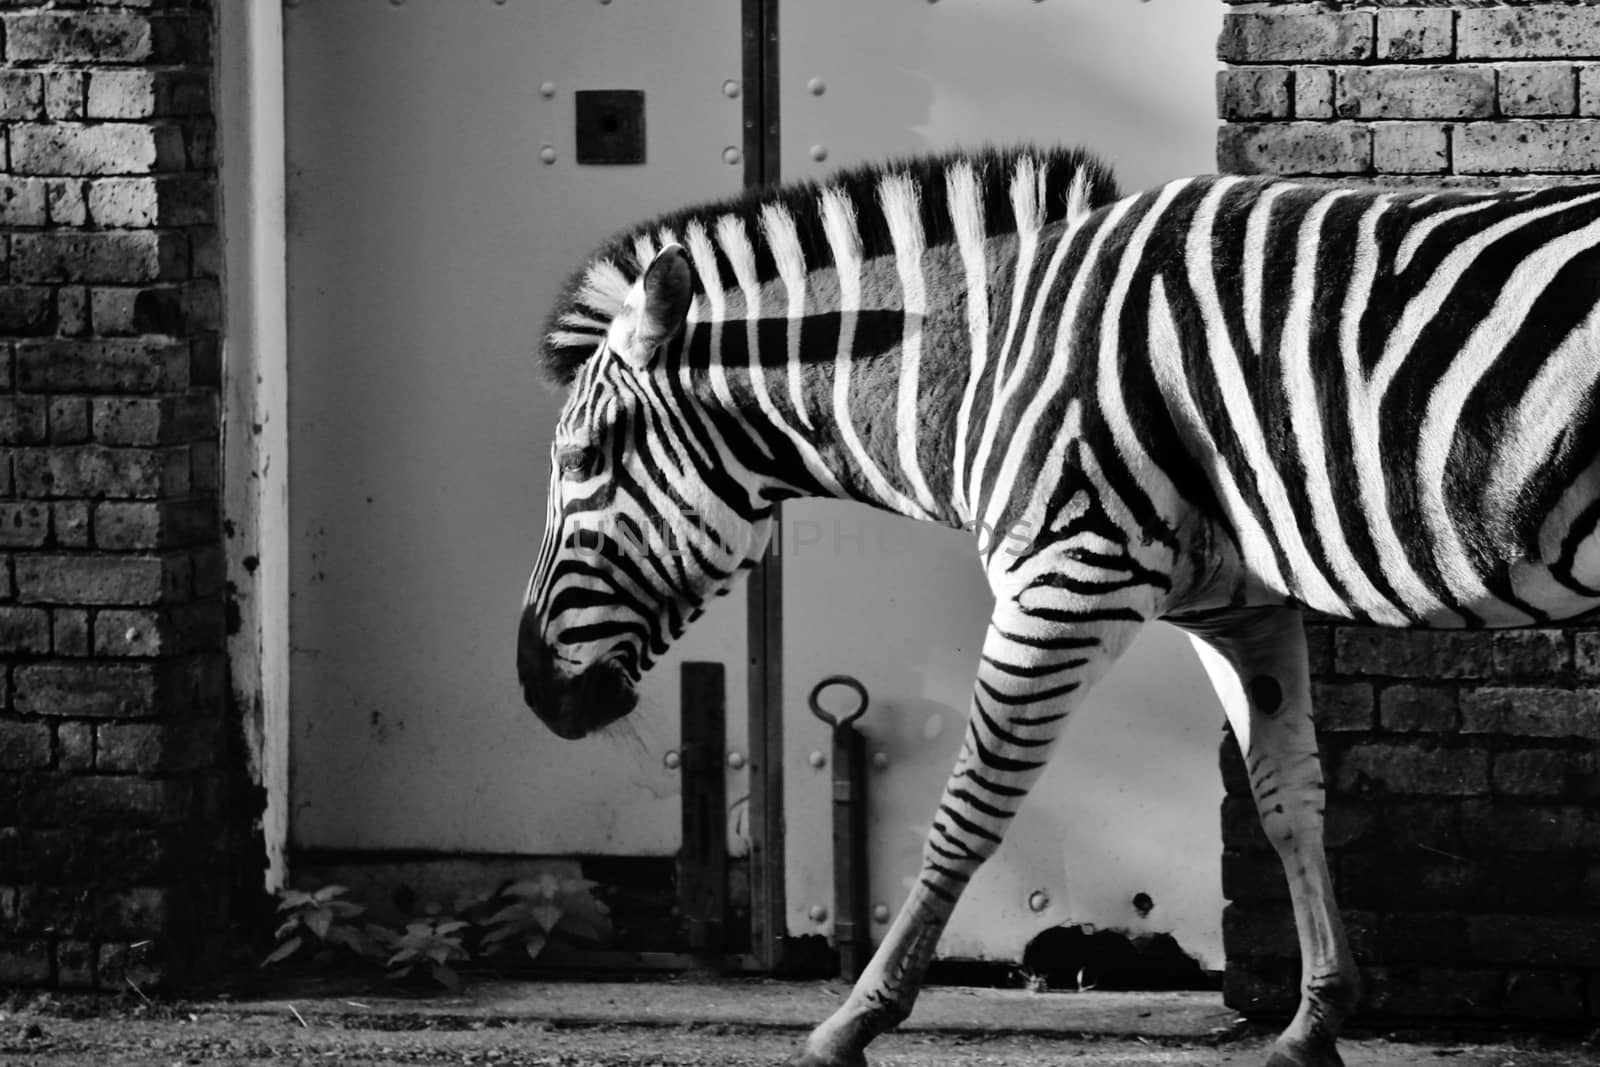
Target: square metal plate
column 610, row 126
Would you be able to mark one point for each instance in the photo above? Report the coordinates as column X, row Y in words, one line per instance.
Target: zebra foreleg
column 1035, row 669
column 1257, row 662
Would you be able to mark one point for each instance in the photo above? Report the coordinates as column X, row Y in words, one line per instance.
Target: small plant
column 429, row 946
column 325, row 926
column 530, row 913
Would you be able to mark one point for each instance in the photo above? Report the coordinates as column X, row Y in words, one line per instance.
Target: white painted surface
column 426, row 243
column 255, row 398
column 1131, row 803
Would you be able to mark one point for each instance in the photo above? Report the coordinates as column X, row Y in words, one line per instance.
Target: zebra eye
column 578, row 461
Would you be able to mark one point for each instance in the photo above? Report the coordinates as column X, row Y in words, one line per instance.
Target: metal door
column 1131, row 804
column 434, row 207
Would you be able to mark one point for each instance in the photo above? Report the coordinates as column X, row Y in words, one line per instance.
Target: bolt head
column 1038, row 900
column 817, row 759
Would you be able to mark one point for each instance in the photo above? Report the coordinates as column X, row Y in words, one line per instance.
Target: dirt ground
column 648, row 1024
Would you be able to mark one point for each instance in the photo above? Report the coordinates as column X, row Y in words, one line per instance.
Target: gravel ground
column 685, row 1025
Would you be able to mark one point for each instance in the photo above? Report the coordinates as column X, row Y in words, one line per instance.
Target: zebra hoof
column 1304, row 1054
column 811, row 1059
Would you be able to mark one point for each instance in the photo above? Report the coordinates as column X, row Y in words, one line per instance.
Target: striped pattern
column 1216, row 402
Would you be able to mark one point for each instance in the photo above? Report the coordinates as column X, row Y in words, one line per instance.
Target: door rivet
column 730, row 89
column 819, row 152
column 736, row 760
column 817, row 86
column 547, row 152
column 880, row 760
column 818, row 913
column 1038, row 900
column 817, row 759
column 547, row 90
column 880, row 912
column 672, row 760
column 731, row 156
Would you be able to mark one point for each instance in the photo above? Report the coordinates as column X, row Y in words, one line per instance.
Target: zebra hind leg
column 1035, row 669
column 1257, row 662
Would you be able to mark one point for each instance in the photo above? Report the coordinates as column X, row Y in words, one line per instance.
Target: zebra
column 1223, row 402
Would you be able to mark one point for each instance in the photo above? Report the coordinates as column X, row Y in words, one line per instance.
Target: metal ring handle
column 826, row 716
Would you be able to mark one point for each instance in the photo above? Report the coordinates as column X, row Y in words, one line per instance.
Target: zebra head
column 636, row 542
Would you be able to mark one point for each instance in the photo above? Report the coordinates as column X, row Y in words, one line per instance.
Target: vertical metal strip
column 759, row 31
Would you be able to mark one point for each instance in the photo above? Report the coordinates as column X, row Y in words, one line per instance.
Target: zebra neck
column 846, row 382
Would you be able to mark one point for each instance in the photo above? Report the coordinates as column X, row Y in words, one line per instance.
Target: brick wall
column 1463, row 771
column 113, row 743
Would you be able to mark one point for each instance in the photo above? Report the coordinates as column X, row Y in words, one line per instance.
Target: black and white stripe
column 1217, row 402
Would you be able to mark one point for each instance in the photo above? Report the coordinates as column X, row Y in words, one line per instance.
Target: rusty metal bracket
column 850, row 919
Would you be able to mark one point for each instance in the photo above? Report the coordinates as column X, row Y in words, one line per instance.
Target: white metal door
column 1131, row 803
column 428, row 235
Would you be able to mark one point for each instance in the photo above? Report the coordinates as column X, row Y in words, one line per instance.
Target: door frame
column 255, row 439
column 251, row 119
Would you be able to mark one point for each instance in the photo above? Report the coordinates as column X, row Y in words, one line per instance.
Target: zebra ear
column 656, row 308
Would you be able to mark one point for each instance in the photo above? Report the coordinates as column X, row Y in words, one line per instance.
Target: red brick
column 21, row 95
column 1313, row 93
column 1253, row 93
column 1542, row 772
column 1532, row 653
column 24, row 745
column 1538, row 31
column 1586, row 653
column 155, row 524
column 96, row 148
column 117, row 257
column 64, row 93
column 1538, row 89
column 104, row 366
column 78, row 37
column 95, row 799
column 24, row 420
column 72, row 311
column 75, row 963
column 148, row 421
column 23, row 524
column 1545, row 995
column 1296, row 36
column 1531, row 712
column 1526, row 146
column 65, row 199
column 1536, row 940
column 94, row 470
column 25, row 311
column 1342, row 705
column 24, row 963
column 1415, row 92
column 69, row 523
column 69, row 420
column 1295, row 148
column 1410, row 708
column 1410, row 148
column 138, row 94
column 69, row 634
column 1423, row 654
column 1512, row 826
column 169, row 631
column 156, row 748
column 1408, row 34
column 1412, row 768
column 22, row 202
column 113, row 580
column 76, row 744
column 24, row 630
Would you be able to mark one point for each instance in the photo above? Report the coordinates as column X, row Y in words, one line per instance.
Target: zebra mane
column 1068, row 180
